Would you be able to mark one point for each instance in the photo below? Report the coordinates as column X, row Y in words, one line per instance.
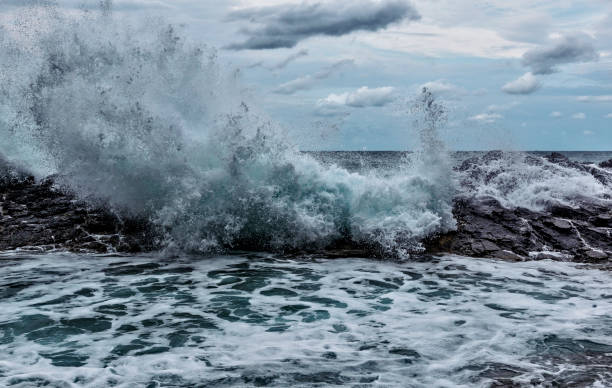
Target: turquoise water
column 263, row 320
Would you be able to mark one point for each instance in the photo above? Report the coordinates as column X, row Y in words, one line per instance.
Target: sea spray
column 133, row 114
column 518, row 179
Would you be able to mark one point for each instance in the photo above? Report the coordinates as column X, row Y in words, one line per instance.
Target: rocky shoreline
column 485, row 228
column 41, row 216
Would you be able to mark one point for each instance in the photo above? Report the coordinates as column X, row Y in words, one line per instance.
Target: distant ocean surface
column 356, row 160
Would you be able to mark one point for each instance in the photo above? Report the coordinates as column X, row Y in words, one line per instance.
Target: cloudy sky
column 340, row 74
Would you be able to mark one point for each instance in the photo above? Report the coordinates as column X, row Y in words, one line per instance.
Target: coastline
column 41, row 216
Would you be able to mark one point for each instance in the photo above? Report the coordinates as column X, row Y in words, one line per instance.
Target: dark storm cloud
column 283, row 26
column 568, row 49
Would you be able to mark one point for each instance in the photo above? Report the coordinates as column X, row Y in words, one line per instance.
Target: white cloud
column 440, row 87
column 587, row 132
column 579, row 116
column 502, row 107
column 556, row 114
column 433, row 40
column 487, row 117
column 608, row 116
column 604, row 98
column 362, row 97
column 525, row 84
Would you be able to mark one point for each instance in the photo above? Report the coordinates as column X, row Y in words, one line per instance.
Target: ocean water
column 131, row 115
column 266, row 320
column 388, row 160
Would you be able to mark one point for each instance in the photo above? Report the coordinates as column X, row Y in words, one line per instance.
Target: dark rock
column 557, row 157
column 41, row 216
column 606, row 164
column 603, row 220
column 486, row 228
column 579, row 233
column 509, row 256
column 559, row 224
column 596, row 255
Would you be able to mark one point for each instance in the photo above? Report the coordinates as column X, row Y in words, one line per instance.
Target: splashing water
column 519, row 179
column 136, row 115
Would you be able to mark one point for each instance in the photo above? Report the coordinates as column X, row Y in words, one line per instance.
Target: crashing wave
column 143, row 119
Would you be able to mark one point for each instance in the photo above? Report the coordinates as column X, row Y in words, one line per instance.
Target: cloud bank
column 525, row 84
column 284, row 26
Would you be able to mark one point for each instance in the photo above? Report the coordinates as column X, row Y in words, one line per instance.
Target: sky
column 341, row 74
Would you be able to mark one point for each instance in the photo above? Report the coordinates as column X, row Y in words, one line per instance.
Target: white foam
column 359, row 319
column 521, row 180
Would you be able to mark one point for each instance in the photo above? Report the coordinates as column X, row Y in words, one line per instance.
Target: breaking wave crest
column 138, row 116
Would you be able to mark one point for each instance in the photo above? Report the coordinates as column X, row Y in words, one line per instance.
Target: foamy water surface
column 262, row 320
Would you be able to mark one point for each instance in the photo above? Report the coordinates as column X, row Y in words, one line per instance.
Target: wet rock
column 596, row 255
column 559, row 224
column 606, row 164
column 507, row 255
column 42, row 216
column 485, row 228
column 603, row 220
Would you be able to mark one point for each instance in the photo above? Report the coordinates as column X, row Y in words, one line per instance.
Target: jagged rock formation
column 485, row 228
column 41, row 216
